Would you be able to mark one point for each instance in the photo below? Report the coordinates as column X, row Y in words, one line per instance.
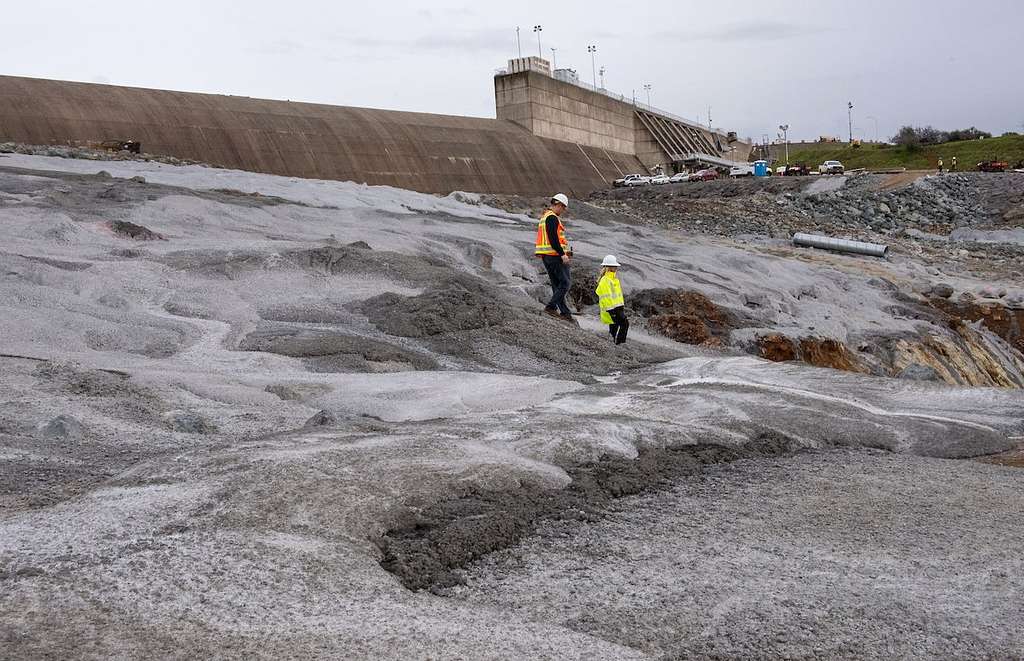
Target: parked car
column 678, row 177
column 632, row 180
column 660, row 179
column 741, row 171
column 798, row 170
column 704, row 175
column 831, row 167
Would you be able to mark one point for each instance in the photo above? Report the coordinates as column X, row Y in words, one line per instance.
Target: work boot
column 552, row 312
column 568, row 318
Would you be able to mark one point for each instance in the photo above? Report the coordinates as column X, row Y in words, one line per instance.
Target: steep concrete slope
column 419, row 151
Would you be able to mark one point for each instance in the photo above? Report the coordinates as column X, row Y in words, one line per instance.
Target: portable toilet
column 760, row 168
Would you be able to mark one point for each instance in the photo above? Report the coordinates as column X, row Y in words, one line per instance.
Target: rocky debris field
column 963, row 234
column 970, row 221
column 246, row 416
column 90, row 154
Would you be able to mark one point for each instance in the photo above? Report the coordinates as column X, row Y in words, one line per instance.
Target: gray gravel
column 846, row 554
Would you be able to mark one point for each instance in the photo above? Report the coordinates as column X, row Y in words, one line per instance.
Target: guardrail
column 503, row 71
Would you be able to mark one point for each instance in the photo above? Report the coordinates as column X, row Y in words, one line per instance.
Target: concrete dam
column 550, row 135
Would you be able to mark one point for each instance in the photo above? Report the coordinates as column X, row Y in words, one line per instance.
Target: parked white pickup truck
column 831, row 167
column 741, row 171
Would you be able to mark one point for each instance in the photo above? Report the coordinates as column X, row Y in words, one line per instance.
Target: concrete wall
column 424, row 152
column 555, row 109
column 551, row 108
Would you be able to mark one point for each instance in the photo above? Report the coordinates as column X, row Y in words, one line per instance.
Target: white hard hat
column 610, row 260
column 560, row 197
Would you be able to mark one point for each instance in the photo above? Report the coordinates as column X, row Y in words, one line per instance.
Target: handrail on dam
column 624, row 99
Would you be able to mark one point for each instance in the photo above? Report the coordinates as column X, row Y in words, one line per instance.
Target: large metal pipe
column 840, row 245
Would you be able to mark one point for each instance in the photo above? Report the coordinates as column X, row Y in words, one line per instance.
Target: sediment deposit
column 253, row 416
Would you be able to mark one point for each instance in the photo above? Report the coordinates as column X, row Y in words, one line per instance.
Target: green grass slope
column 969, row 153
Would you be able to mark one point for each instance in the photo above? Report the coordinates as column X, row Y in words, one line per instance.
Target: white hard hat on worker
column 610, row 260
column 561, row 199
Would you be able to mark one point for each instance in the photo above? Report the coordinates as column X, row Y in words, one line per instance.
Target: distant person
column 940, row 166
column 952, row 164
column 553, row 248
column 613, row 305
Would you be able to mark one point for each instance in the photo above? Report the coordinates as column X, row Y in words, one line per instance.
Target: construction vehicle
column 797, row 170
column 129, row 145
column 993, row 166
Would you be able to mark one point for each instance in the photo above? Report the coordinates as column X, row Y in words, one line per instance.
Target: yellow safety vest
column 543, row 246
column 609, row 293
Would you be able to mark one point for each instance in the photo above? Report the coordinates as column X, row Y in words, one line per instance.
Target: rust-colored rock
column 1005, row 322
column 827, row 352
column 777, row 348
column 685, row 316
column 817, row 351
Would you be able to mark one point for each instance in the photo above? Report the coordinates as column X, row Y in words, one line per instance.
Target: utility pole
column 593, row 61
column 849, row 117
column 785, row 136
column 709, row 118
column 647, row 86
column 601, row 73
column 554, row 60
column 519, row 44
column 538, row 29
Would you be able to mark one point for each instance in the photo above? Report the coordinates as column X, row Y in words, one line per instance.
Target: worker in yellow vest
column 613, row 305
column 553, row 248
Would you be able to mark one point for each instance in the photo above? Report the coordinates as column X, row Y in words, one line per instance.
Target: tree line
column 912, row 136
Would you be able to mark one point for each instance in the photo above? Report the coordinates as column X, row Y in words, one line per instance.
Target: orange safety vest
column 543, row 247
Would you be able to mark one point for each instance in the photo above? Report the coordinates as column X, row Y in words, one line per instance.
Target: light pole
column 849, row 117
column 593, row 61
column 538, row 29
column 875, row 120
column 554, row 60
column 647, row 87
column 601, row 73
column 519, row 44
column 785, row 136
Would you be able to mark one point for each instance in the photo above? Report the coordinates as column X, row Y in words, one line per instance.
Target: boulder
column 918, row 372
column 322, row 418
column 129, row 230
column 188, row 422
column 63, row 428
column 1016, row 213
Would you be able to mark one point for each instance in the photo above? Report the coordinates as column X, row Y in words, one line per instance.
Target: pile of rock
column 90, row 154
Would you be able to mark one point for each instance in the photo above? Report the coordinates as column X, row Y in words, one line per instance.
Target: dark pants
column 558, row 273
column 620, row 325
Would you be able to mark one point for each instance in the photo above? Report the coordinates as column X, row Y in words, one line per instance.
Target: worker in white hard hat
column 611, row 301
column 554, row 250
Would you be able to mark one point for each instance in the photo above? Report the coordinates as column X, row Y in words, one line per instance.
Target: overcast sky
column 949, row 63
